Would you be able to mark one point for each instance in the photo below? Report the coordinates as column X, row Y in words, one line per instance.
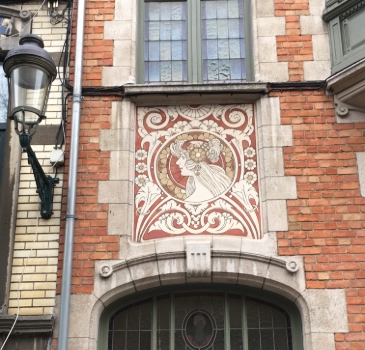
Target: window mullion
column 227, row 326
column 154, row 324
column 172, row 321
column 244, row 324
column 194, row 42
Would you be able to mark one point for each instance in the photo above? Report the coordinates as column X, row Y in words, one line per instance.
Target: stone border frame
column 232, row 260
column 323, row 312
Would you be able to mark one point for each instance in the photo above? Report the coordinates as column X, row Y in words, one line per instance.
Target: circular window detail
column 199, row 329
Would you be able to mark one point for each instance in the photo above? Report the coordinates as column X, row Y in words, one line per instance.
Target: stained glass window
column 194, row 41
column 165, row 47
column 223, row 42
column 202, row 321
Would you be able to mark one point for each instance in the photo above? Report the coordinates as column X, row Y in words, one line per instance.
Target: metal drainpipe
column 72, row 182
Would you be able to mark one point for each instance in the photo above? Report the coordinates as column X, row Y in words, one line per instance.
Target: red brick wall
column 327, row 221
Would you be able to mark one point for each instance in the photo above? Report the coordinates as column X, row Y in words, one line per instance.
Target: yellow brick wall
column 34, row 236
column 37, row 239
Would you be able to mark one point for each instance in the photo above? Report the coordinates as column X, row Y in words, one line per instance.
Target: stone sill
column 348, row 86
column 143, row 94
column 27, row 325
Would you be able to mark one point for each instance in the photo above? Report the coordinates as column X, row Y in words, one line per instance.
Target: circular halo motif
column 199, row 329
column 195, row 167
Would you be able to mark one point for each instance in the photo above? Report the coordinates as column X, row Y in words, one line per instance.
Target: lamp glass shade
column 29, row 87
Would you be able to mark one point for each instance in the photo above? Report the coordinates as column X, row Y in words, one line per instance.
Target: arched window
column 201, row 319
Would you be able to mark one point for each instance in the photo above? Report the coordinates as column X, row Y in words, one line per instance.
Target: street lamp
column 30, row 71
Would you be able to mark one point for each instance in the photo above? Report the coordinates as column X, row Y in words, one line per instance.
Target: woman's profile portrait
column 196, row 161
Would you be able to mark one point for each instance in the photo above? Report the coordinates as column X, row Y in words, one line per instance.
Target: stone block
column 226, row 243
column 145, row 275
column 122, row 53
column 124, row 9
column 270, row 26
column 118, row 30
column 271, row 162
column 274, row 72
column 277, row 215
column 267, row 49
column 273, row 136
column 121, row 165
column 225, row 269
column 115, row 76
column 80, row 311
column 284, row 187
column 119, row 283
column 172, row 271
column 265, row 8
column 321, row 48
column 123, row 115
column 317, row 70
column 320, row 341
column 116, row 140
column 268, row 111
column 266, row 246
column 327, row 310
column 131, row 250
column 120, row 219
column 360, row 157
column 280, row 280
column 198, row 259
column 252, row 272
column 316, row 7
column 312, row 25
column 115, row 192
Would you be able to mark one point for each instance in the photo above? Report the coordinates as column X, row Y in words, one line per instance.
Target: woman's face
column 181, row 163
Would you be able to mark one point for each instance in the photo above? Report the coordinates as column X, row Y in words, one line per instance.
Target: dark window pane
column 132, row 340
column 236, row 339
column 254, row 339
column 235, row 311
column 281, row 339
column 145, row 340
column 119, row 340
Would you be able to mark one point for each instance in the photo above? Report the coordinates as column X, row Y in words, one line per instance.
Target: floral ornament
column 249, row 152
column 141, row 167
column 181, row 126
column 198, row 153
column 180, row 193
column 184, row 137
column 206, row 136
column 250, row 177
column 250, row 164
column 164, row 154
column 141, row 154
column 209, row 125
column 141, row 180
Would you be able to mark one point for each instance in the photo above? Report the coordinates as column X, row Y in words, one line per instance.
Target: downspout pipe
column 72, row 182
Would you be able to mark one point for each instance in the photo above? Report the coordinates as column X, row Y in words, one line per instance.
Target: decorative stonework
column 196, row 172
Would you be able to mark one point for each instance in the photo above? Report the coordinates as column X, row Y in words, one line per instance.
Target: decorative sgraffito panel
column 196, row 172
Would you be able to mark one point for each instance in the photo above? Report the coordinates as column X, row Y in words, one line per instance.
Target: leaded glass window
column 223, row 44
column 195, row 41
column 165, row 48
column 201, row 321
